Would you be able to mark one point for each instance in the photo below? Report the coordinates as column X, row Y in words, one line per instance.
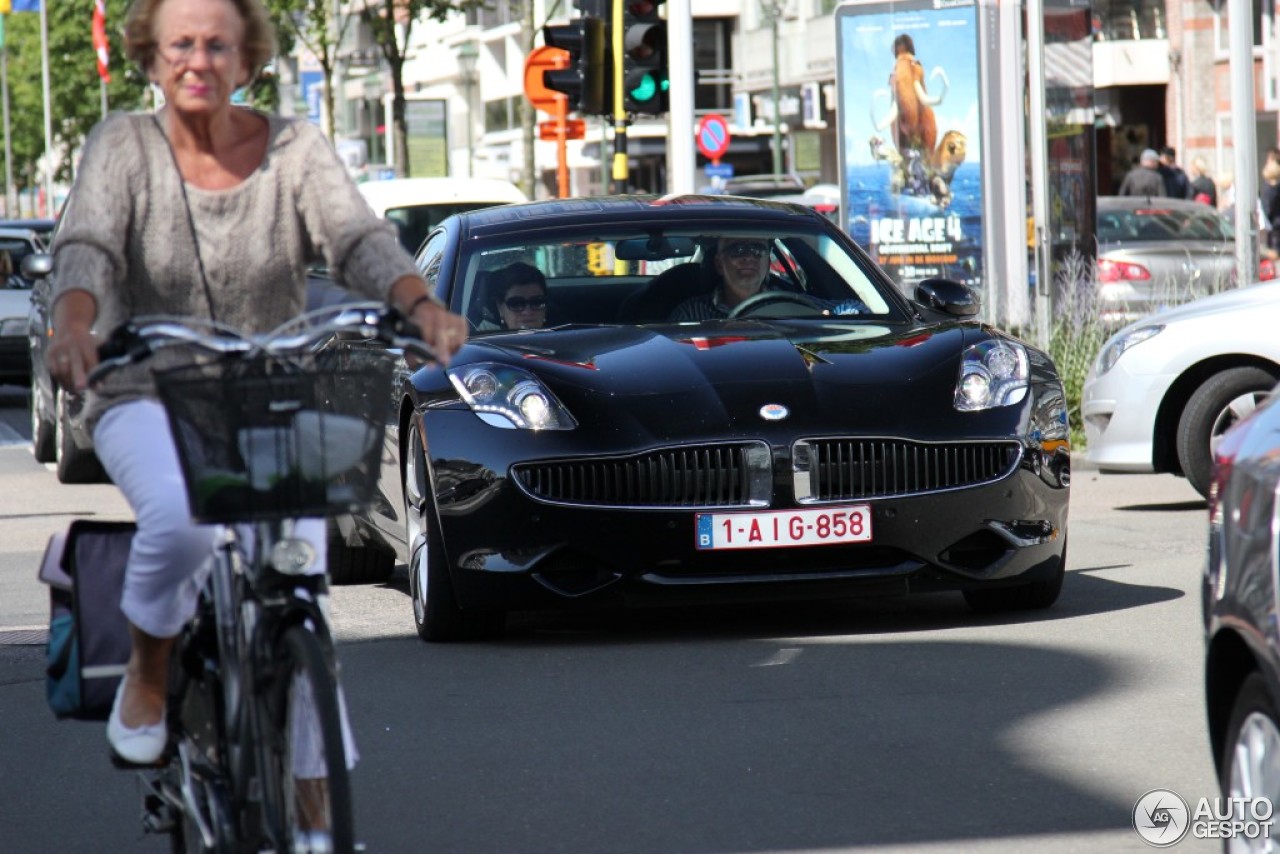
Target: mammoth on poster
column 910, row 136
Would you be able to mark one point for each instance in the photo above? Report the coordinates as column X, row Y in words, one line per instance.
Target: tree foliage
column 74, row 88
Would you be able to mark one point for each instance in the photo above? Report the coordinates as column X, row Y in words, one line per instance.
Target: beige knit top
column 126, row 239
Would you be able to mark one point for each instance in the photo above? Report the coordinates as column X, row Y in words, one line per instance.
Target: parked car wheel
column 43, row 430
column 356, row 564
column 1251, row 752
column 1219, row 402
column 1023, row 597
column 436, row 614
column 74, row 464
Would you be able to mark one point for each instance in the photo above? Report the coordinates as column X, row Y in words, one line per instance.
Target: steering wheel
column 761, row 302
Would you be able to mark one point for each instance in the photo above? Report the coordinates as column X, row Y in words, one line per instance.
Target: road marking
column 786, row 655
column 9, row 436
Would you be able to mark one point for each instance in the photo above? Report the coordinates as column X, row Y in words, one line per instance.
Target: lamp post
column 468, row 55
column 772, row 12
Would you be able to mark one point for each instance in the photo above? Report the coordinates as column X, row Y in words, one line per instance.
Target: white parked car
column 416, row 205
column 1166, row 387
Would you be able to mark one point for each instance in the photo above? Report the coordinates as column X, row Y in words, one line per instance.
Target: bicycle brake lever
column 124, row 343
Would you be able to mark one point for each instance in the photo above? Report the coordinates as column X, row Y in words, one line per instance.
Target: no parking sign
column 712, row 136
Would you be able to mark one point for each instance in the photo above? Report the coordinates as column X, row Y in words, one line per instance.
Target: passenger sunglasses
column 742, row 250
column 521, row 304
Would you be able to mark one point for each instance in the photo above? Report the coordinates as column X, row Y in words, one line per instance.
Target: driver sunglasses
column 523, row 304
column 742, row 250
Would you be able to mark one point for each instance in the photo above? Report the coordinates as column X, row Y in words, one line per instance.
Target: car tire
column 356, row 564
column 1214, row 407
column 43, row 430
column 436, row 614
column 74, row 464
column 1031, row 596
column 1249, row 761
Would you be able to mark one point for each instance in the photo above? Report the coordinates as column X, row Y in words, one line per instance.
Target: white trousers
column 171, row 554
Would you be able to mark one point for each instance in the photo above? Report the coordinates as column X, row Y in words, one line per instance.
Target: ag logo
column 1161, row 818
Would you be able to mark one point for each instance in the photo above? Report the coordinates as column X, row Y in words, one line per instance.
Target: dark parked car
column 829, row 438
column 1242, row 661
column 15, row 303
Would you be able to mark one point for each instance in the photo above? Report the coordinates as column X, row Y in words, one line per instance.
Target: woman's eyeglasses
column 183, row 50
column 742, row 250
column 522, row 304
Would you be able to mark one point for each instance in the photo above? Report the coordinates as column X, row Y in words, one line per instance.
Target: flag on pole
column 100, row 39
column 22, row 5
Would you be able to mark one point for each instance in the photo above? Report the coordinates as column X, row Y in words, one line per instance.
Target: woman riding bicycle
column 211, row 210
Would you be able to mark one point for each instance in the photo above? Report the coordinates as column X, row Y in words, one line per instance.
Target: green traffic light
column 645, row 89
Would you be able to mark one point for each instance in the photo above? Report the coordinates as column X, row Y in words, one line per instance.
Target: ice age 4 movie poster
column 909, row 113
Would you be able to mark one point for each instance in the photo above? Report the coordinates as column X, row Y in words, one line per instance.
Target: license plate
column 784, row 528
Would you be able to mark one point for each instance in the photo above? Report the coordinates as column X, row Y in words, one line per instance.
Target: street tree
column 391, row 23
column 319, row 26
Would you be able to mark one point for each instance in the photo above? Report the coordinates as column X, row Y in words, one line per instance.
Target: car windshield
column 1163, row 224
column 627, row 277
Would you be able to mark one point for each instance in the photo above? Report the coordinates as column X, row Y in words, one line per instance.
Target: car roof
column 409, row 192
column 640, row 212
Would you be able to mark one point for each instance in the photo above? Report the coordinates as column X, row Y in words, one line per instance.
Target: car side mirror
column 949, row 297
column 37, row 265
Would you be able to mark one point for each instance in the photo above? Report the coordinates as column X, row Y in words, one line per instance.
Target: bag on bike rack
column 88, row 633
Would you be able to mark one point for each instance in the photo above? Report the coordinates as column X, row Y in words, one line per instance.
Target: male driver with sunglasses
column 742, row 264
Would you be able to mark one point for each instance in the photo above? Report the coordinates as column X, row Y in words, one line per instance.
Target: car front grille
column 729, row 475
column 843, row 469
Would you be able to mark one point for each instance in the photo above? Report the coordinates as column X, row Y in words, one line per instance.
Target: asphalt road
column 887, row 725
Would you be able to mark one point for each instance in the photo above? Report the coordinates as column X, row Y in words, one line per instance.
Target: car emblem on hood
column 774, row 412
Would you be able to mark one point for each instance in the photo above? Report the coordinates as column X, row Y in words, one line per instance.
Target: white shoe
column 141, row 746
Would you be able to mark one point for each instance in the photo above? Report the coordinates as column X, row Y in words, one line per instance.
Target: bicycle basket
column 262, row 438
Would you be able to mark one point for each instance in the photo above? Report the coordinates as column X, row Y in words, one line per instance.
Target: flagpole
column 10, row 201
column 102, row 85
column 48, row 115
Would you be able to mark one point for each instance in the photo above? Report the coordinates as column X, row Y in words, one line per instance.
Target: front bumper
column 508, row 550
column 1119, row 410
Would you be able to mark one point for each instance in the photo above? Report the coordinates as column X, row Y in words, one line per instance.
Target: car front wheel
column 43, row 429
column 1222, row 400
column 356, row 564
column 436, row 614
column 1250, row 759
column 74, row 464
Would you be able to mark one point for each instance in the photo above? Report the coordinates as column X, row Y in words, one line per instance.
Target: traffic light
column 645, row 83
column 586, row 80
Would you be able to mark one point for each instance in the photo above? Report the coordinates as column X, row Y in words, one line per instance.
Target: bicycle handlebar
column 136, row 340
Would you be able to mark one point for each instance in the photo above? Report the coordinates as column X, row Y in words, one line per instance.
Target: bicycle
column 269, row 430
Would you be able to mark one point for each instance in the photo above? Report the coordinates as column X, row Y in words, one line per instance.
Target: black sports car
column 826, row 438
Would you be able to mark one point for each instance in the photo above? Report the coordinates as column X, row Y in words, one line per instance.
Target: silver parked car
column 1158, row 252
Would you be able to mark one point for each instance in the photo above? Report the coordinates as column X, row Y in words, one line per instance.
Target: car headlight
column 13, row 326
column 511, row 398
column 1115, row 348
column 992, row 373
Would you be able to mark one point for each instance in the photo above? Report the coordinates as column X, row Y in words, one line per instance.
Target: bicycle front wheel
column 307, row 763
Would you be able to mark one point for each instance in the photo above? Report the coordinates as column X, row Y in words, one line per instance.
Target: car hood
column 1245, row 301
column 692, row 380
